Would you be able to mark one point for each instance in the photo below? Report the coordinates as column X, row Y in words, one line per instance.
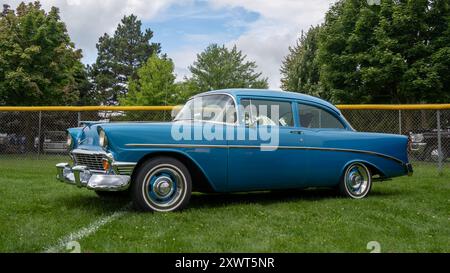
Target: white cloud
column 267, row 40
column 87, row 20
column 73, row 2
column 183, row 58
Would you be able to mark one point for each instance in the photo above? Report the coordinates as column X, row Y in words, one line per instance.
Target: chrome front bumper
column 418, row 147
column 81, row 176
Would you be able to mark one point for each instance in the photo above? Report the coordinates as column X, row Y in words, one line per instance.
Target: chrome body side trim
column 259, row 147
column 177, row 145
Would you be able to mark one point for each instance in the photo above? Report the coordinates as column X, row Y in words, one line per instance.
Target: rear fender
column 374, row 169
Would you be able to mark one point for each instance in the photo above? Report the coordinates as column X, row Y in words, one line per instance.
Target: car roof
column 272, row 93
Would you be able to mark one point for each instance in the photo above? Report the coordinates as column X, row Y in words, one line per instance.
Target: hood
column 120, row 133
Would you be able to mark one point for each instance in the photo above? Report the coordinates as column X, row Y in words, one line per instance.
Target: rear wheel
column 161, row 184
column 356, row 182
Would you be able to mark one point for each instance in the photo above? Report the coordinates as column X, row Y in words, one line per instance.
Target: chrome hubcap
column 164, row 185
column 357, row 179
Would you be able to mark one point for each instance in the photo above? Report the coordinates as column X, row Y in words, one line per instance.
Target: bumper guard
column 81, row 176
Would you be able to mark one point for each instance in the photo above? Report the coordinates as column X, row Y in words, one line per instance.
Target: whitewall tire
column 162, row 184
column 356, row 182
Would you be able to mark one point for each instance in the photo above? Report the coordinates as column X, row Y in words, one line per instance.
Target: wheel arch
column 374, row 169
column 200, row 181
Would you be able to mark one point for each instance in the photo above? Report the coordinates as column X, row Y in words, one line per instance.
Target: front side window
column 267, row 112
column 315, row 117
column 215, row 108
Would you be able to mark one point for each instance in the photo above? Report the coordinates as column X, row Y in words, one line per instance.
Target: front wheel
column 356, row 182
column 162, row 184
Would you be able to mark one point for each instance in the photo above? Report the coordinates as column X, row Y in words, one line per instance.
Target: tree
column 153, row 85
column 396, row 52
column 184, row 90
column 119, row 57
column 218, row 67
column 300, row 68
column 87, row 95
column 39, row 64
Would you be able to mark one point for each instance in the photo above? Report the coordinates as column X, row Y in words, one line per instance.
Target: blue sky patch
column 197, row 24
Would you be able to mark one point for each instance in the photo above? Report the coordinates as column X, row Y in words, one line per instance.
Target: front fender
column 209, row 161
column 75, row 133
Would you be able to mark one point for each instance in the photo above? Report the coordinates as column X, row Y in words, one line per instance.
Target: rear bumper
column 81, row 176
column 409, row 169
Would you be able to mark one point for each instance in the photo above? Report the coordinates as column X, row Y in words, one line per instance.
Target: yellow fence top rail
column 169, row 108
column 84, row 108
column 393, row 106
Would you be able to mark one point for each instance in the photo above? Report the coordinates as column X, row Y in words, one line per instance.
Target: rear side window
column 315, row 117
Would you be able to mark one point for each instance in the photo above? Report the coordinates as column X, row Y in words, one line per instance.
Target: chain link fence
column 27, row 134
column 428, row 129
column 44, row 132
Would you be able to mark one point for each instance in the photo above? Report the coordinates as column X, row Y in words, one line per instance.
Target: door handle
column 298, row 132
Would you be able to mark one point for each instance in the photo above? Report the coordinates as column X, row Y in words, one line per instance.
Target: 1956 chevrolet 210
column 310, row 144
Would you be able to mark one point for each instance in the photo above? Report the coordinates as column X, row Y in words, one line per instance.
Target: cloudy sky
column 262, row 29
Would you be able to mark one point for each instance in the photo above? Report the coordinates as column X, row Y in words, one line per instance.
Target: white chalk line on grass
column 86, row 231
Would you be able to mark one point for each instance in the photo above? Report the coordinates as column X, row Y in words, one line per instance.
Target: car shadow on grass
column 93, row 203
column 210, row 200
column 272, row 197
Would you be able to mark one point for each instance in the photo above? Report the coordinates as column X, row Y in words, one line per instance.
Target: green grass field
column 407, row 214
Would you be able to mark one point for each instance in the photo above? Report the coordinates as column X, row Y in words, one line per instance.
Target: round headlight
column 69, row 141
column 102, row 140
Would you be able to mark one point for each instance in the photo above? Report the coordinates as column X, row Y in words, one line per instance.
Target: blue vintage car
column 232, row 141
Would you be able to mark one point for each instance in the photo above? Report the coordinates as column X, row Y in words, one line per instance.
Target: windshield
column 215, row 108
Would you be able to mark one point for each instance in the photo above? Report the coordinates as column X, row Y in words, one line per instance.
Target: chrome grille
column 92, row 161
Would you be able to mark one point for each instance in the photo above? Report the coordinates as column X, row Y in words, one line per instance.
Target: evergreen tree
column 218, row 67
column 300, row 69
column 119, row 57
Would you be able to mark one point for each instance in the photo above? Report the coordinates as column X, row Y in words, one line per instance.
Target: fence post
column 78, row 119
column 438, row 115
column 39, row 134
column 399, row 122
